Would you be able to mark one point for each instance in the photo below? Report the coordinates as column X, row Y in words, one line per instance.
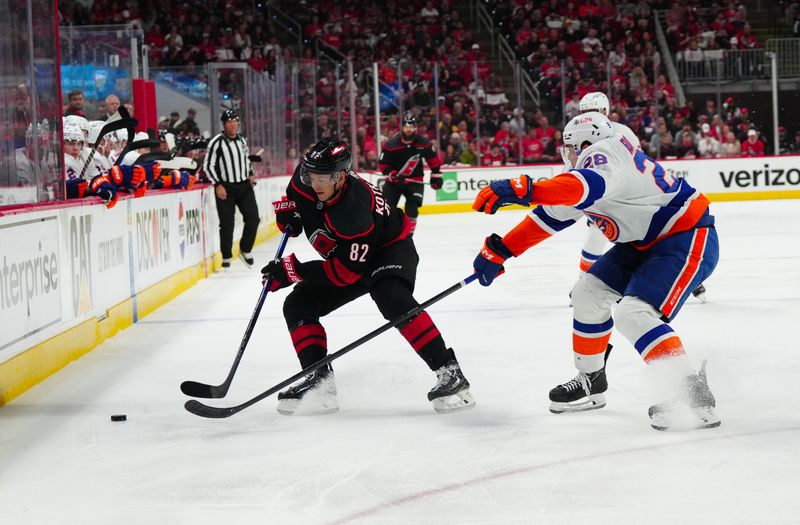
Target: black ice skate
column 700, row 293
column 693, row 408
column 315, row 394
column 584, row 392
column 451, row 391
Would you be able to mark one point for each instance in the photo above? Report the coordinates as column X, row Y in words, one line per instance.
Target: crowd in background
column 569, row 48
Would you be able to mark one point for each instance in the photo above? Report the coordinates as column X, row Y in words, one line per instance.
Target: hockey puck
column 119, row 417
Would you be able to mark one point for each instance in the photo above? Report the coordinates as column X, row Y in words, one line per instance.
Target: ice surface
column 386, row 457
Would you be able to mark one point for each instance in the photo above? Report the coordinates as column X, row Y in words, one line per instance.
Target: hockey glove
column 105, row 189
column 281, row 273
column 287, row 217
column 501, row 192
column 127, row 177
column 489, row 263
column 76, row 188
column 436, row 181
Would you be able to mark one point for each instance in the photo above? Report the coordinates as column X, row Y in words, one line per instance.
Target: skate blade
column 460, row 401
column 592, row 402
column 289, row 407
column 694, row 419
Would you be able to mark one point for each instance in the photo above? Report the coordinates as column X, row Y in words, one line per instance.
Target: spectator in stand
column 686, row 148
column 573, row 106
column 75, row 107
column 112, row 106
column 752, row 147
column 707, row 146
column 451, row 154
column 794, row 147
column 552, row 150
column 470, row 156
column 731, row 146
column 668, row 150
column 532, row 148
column 494, row 157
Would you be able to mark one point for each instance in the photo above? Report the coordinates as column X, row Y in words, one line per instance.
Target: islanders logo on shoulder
column 607, row 225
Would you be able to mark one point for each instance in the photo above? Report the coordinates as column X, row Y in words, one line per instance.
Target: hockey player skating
column 595, row 243
column 665, row 245
column 401, row 160
column 366, row 247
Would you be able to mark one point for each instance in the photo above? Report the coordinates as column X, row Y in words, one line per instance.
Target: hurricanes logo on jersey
column 607, row 225
column 323, row 243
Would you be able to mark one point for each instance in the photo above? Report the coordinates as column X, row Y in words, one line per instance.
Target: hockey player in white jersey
column 99, row 164
column 665, row 244
column 595, row 243
column 73, row 149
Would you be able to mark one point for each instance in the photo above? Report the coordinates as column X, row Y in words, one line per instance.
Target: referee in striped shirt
column 227, row 165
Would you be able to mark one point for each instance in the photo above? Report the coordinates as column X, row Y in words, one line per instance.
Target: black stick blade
column 195, row 389
column 199, row 409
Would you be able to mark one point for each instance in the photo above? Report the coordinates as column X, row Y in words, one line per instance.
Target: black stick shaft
column 200, row 409
column 195, row 389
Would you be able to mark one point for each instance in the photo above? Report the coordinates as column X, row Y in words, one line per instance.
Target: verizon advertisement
column 31, row 279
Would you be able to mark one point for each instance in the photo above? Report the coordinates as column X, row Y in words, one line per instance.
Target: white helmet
column 72, row 133
column 95, row 126
column 122, row 134
column 76, row 120
column 595, row 101
column 591, row 127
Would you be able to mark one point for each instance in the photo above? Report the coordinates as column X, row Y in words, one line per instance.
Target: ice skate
column 700, row 293
column 247, row 259
column 315, row 394
column 584, row 392
column 693, row 408
column 451, row 391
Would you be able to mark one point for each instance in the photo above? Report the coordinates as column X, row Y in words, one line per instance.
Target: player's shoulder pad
column 394, row 142
column 352, row 216
column 298, row 190
column 422, row 141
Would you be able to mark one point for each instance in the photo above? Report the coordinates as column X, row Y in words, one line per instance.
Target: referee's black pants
column 240, row 194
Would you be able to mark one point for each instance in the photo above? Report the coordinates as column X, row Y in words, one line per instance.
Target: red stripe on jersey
column 306, row 335
column 303, row 193
column 338, row 273
column 434, row 162
column 408, row 229
column 688, row 272
column 341, row 235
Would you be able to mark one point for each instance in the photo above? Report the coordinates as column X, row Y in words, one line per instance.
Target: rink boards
column 74, row 274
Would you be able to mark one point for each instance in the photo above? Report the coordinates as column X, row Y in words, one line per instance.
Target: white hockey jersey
column 625, row 131
column 628, row 195
column 73, row 166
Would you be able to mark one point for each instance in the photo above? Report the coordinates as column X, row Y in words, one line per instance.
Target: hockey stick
column 199, row 409
column 195, row 389
column 122, row 121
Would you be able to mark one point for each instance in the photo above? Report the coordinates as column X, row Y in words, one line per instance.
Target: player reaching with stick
column 665, row 244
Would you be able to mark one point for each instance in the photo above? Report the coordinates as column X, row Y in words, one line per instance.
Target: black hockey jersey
column 348, row 232
column 403, row 160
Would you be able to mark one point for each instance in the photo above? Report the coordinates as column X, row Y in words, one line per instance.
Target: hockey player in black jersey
column 401, row 161
column 366, row 247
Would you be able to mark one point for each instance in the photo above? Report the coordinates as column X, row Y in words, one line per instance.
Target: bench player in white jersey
column 595, row 243
column 73, row 148
column 665, row 244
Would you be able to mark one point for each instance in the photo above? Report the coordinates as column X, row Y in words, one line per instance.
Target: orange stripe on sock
column 670, row 347
column 585, row 265
column 589, row 345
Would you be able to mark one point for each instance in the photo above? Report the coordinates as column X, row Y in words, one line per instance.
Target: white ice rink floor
column 386, row 457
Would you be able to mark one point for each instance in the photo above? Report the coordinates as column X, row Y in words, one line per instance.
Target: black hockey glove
column 282, row 272
column 287, row 217
column 436, row 181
